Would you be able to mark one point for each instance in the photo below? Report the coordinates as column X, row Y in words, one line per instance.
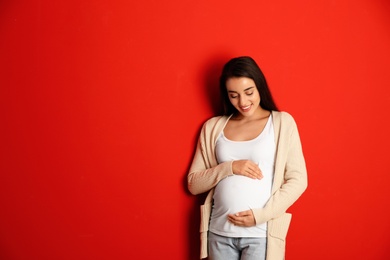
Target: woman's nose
column 242, row 100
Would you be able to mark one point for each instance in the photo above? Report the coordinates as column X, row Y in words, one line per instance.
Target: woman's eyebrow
column 248, row 88
column 231, row 91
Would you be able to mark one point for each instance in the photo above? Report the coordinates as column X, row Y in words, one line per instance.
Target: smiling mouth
column 245, row 108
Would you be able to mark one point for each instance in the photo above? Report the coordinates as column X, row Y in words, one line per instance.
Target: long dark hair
column 245, row 67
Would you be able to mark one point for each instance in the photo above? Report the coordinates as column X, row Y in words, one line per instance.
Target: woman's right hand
column 247, row 168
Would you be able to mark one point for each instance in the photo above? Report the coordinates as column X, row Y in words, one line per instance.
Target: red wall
column 101, row 103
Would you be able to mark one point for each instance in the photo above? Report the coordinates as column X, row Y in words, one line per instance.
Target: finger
column 236, row 222
column 239, row 216
column 235, row 218
column 255, row 173
column 254, row 170
column 242, row 221
column 251, row 173
column 258, row 172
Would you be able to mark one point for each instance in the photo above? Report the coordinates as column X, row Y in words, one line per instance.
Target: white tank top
column 238, row 193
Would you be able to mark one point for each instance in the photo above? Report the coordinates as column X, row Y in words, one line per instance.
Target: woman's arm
column 202, row 177
column 295, row 180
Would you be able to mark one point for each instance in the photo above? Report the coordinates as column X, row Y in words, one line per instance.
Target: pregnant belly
column 238, row 193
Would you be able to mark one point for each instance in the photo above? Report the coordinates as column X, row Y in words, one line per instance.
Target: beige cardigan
column 290, row 179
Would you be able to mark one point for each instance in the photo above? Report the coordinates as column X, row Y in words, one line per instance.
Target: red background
column 102, row 101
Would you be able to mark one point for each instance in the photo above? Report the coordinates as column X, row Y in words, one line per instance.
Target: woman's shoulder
column 283, row 117
column 211, row 122
column 215, row 124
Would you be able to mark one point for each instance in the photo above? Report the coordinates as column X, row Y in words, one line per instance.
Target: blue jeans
column 236, row 248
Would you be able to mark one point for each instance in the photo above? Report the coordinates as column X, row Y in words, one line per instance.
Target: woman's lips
column 246, row 108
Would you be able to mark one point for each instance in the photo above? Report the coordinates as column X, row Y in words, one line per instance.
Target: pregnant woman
column 250, row 161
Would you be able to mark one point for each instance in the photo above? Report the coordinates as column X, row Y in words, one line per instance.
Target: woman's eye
column 233, row 96
column 249, row 93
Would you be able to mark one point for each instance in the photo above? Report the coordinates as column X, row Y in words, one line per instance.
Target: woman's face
column 243, row 95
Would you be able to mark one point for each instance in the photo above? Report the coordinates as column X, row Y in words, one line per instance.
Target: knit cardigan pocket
column 204, row 217
column 276, row 240
column 278, row 227
column 205, row 211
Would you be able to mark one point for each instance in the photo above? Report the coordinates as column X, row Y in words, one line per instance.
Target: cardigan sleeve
column 202, row 177
column 205, row 172
column 295, row 178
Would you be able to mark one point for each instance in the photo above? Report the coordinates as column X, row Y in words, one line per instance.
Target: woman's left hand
column 242, row 219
